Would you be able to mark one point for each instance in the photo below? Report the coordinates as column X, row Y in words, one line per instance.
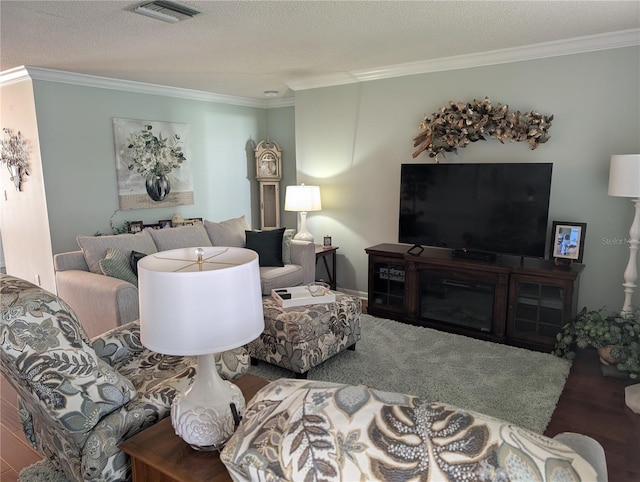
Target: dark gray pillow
column 268, row 245
column 133, row 261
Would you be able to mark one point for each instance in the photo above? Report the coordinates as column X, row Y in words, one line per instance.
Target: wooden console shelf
column 515, row 300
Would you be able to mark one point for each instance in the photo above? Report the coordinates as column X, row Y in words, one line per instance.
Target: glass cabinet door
column 388, row 285
column 539, row 309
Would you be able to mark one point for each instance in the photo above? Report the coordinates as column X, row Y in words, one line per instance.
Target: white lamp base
column 202, row 415
column 303, row 234
column 631, row 272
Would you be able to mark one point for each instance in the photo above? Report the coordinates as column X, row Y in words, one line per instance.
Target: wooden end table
column 158, row 454
column 324, row 252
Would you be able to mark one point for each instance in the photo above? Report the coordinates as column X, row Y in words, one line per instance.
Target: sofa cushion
column 228, row 233
column 181, row 237
column 116, row 265
column 268, row 245
column 95, row 248
column 44, row 343
column 274, row 277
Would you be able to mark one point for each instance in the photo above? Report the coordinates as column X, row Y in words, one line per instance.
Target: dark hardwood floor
column 590, row 404
column 593, row 404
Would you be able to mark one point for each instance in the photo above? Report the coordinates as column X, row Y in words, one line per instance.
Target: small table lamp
column 624, row 181
column 303, row 199
column 201, row 301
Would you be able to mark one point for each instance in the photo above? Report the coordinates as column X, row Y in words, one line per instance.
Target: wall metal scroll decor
column 456, row 125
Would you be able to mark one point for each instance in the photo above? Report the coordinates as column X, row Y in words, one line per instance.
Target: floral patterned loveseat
column 296, row 430
column 79, row 398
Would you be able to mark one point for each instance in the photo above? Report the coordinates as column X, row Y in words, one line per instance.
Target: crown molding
column 591, row 43
column 20, row 74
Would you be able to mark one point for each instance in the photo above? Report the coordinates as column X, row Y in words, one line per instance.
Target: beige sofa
column 104, row 302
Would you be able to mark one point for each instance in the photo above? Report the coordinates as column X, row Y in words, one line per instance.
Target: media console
column 513, row 300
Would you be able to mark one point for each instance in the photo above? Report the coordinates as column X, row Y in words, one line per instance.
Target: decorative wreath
column 460, row 123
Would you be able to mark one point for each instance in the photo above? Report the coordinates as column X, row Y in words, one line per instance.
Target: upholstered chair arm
column 101, row 457
column 119, row 345
column 100, row 302
column 303, row 253
column 70, row 260
column 47, row 353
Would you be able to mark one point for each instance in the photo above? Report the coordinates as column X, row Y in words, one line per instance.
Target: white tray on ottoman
column 300, row 296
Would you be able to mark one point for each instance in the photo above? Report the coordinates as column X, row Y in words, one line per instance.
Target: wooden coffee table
column 158, row 454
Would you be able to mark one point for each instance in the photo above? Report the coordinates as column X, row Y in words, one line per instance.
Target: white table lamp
column 201, row 301
column 624, row 181
column 303, row 199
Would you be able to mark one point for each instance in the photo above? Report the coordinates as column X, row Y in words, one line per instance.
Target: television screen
column 497, row 208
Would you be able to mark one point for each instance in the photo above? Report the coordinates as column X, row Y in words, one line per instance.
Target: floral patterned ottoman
column 301, row 337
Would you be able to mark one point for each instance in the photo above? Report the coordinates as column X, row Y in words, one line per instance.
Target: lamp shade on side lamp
column 201, row 301
column 303, row 199
column 624, row 181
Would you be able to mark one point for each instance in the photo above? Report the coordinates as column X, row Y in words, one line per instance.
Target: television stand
column 473, row 255
column 515, row 300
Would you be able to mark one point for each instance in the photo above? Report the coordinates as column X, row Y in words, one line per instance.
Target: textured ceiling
column 243, row 48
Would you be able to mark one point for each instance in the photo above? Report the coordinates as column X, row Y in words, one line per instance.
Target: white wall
column 352, row 139
column 281, row 128
column 26, row 243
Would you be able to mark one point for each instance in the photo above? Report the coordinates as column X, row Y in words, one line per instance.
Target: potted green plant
column 616, row 336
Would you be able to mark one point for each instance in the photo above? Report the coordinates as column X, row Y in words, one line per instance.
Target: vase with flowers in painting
column 154, row 157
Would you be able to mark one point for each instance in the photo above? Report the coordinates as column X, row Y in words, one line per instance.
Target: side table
column 158, row 454
column 324, row 252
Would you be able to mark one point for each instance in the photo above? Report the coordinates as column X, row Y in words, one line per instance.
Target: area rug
column 41, row 471
column 514, row 384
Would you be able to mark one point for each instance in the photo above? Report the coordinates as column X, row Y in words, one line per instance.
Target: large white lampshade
column 624, row 175
column 303, row 199
column 201, row 301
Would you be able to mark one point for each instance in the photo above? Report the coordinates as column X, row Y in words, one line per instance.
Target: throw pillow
column 181, row 237
column 116, row 265
column 287, row 237
column 95, row 248
column 228, row 233
column 268, row 245
column 133, row 261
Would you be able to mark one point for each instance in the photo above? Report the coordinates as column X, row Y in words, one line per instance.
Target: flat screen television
column 499, row 208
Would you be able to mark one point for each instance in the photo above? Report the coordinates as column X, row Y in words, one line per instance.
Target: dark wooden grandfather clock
column 269, row 175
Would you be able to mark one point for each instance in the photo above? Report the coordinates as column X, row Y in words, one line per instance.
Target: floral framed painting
column 153, row 165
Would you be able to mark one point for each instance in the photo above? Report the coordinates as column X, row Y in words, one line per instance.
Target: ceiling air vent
column 167, row 11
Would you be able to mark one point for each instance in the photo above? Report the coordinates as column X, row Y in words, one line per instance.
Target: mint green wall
column 351, row 140
column 281, row 129
column 77, row 147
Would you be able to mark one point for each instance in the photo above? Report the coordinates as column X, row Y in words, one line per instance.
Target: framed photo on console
column 567, row 241
column 136, row 226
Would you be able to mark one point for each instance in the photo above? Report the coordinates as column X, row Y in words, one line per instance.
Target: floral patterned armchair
column 79, row 398
column 312, row 430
